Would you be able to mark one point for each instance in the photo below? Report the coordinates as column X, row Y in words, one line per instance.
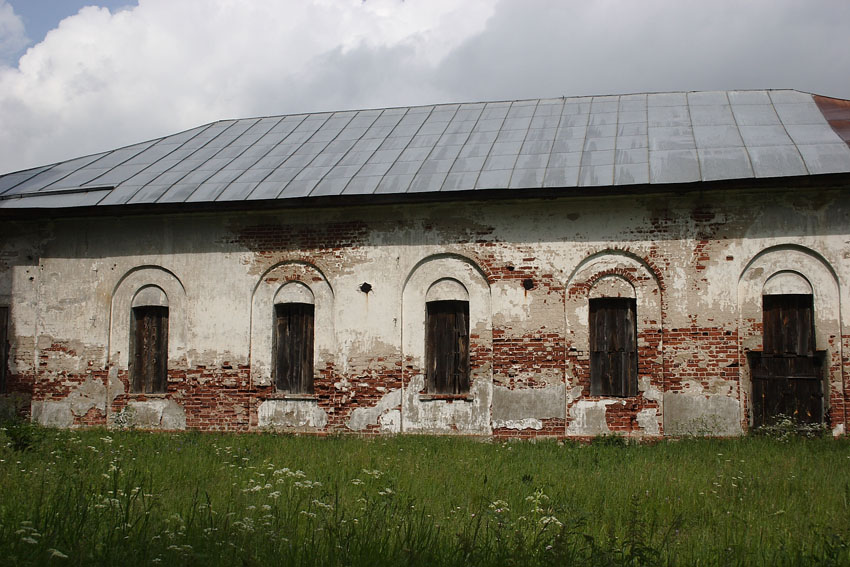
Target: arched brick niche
column 793, row 272
column 447, row 278
column 625, row 289
column 285, row 284
column 138, row 405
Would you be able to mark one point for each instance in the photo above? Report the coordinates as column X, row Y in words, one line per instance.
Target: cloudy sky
column 78, row 77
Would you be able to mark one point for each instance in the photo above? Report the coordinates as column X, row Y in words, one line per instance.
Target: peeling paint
column 519, row 424
column 91, row 394
column 689, row 414
column 468, row 416
column 587, row 418
column 152, row 414
column 291, row 414
column 648, row 421
column 362, row 418
column 525, row 408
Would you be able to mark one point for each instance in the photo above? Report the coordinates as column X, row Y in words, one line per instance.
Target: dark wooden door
column 447, row 347
column 150, row 349
column 293, row 347
column 788, row 374
column 613, row 347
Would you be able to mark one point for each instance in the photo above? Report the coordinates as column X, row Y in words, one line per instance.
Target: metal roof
column 657, row 138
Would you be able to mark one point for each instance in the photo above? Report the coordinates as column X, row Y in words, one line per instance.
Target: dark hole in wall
column 528, row 284
column 365, row 287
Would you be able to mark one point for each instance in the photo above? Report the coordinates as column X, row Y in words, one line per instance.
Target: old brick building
column 672, row 263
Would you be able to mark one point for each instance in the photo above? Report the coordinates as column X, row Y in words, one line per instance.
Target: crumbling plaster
column 696, row 263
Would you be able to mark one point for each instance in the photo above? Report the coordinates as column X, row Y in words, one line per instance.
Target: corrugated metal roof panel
column 651, row 138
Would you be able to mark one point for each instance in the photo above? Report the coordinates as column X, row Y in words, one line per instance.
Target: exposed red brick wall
column 514, row 357
column 700, row 354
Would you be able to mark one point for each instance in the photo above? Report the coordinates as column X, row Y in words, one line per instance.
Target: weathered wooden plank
column 149, row 349
column 788, row 324
column 447, row 347
column 613, row 347
column 293, row 347
column 787, row 385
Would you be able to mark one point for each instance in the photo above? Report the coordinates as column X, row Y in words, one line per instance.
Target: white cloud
column 102, row 80
column 621, row 46
column 13, row 36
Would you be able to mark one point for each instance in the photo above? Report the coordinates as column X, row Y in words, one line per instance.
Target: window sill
column 155, row 395
column 445, row 397
column 294, row 397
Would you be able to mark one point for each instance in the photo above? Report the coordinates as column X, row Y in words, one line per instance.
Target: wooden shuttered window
column 613, row 347
column 447, row 347
column 149, row 346
column 789, row 327
column 4, row 345
column 293, row 347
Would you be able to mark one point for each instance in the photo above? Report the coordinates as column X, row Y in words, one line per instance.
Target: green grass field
column 97, row 497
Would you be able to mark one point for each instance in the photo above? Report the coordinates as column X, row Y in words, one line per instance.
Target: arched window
column 613, row 338
column 292, row 346
column 149, row 341
column 447, row 338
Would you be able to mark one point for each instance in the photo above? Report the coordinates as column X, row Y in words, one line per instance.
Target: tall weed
column 141, row 498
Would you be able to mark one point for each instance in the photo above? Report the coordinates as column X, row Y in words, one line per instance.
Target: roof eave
column 819, row 181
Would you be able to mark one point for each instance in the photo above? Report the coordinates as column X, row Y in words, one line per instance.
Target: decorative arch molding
column 610, row 255
column 141, row 283
column 787, row 282
column 448, row 256
column 294, row 292
column 612, row 271
column 805, row 263
column 289, row 281
column 760, row 274
column 791, row 248
column 150, row 296
column 447, row 289
column 450, row 273
column 612, row 285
